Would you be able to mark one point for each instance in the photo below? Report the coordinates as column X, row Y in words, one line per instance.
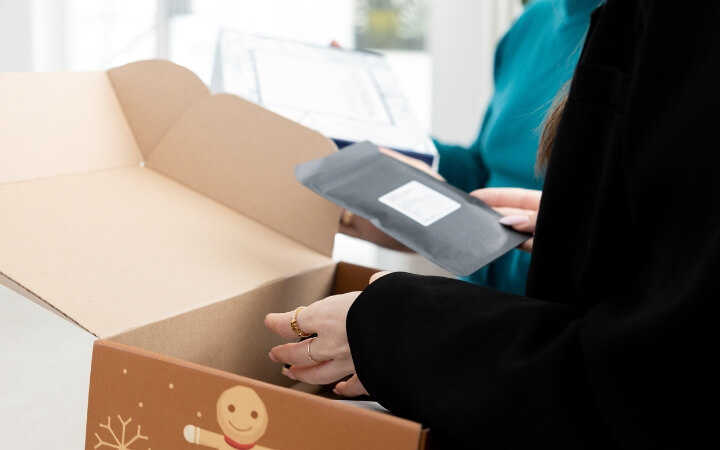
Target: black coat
column 612, row 347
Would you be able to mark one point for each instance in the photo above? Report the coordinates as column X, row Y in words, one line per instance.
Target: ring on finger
column 309, row 355
column 294, row 325
column 347, row 218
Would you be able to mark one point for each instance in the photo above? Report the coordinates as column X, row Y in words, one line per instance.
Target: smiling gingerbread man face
column 242, row 415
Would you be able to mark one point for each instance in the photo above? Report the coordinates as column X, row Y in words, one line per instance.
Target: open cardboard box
column 167, row 222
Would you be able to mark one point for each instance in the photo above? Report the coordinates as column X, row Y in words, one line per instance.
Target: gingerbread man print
column 242, row 418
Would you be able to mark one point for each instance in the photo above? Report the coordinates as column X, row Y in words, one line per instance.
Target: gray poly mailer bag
column 446, row 225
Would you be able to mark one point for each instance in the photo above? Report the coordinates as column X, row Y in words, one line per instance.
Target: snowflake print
column 120, row 442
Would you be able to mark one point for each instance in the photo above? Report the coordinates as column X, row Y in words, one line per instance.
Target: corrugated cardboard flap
column 61, row 123
column 117, row 249
column 154, row 94
column 226, row 148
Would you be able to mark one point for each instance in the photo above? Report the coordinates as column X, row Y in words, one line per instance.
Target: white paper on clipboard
column 347, row 95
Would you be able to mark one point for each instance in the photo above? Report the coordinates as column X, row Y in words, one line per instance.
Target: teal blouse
column 534, row 59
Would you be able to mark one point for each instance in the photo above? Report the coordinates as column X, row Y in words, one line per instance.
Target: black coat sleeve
column 481, row 368
column 615, row 348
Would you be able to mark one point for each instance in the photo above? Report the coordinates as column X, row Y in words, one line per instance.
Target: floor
column 45, row 360
column 44, row 374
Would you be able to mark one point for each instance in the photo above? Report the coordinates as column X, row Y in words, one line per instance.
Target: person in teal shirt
column 534, row 59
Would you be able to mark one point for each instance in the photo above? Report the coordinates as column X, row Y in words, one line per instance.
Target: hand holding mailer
column 446, row 225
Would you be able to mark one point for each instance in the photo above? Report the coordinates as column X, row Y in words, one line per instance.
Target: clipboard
column 347, row 95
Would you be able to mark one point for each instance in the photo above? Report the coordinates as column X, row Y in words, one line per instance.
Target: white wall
column 49, row 34
column 462, row 39
column 450, row 94
column 15, row 36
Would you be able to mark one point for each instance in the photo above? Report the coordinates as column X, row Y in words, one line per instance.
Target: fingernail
column 514, row 219
column 336, row 392
column 291, row 375
column 272, row 358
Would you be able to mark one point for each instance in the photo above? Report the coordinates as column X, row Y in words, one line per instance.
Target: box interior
column 135, row 199
column 230, row 335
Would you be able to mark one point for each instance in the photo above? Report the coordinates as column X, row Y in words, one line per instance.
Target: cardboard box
column 167, row 222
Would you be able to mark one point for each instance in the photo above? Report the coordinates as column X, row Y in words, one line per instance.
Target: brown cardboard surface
column 351, row 277
column 61, row 123
column 211, row 150
column 122, row 248
column 157, row 397
column 153, row 96
column 114, row 248
column 218, row 145
column 230, row 335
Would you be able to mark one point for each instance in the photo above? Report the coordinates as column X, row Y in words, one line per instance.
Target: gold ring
column 294, row 324
column 308, row 352
column 347, row 218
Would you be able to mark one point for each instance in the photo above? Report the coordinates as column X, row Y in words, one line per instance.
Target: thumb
column 350, row 388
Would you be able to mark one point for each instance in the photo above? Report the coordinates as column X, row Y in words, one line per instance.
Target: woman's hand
column 519, row 208
column 323, row 359
column 361, row 228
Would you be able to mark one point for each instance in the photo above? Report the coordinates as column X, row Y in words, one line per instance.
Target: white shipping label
column 420, row 203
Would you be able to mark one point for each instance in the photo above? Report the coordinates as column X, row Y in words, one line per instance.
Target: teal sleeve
column 462, row 166
column 532, row 62
column 507, row 273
